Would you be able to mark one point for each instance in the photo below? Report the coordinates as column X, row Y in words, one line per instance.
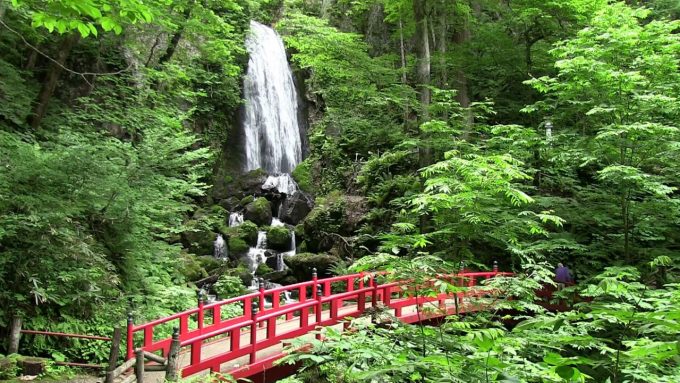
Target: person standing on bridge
column 562, row 276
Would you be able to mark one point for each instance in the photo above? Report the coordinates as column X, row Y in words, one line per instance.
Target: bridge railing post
column 374, row 293
column 130, row 337
column 261, row 300
column 495, row 267
column 253, row 334
column 361, row 299
column 201, row 314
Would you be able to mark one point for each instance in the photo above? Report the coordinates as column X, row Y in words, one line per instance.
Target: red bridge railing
column 259, row 321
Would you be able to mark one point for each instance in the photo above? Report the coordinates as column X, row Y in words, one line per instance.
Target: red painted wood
column 356, row 291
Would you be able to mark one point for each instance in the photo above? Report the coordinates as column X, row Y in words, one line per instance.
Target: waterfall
column 283, row 183
column 272, row 136
column 256, row 255
column 220, row 248
column 276, row 222
column 235, row 219
column 280, row 264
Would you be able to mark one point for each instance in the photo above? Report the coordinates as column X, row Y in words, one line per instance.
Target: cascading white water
column 220, row 247
column 276, row 222
column 280, row 264
column 272, row 136
column 235, row 219
column 256, row 255
column 283, row 183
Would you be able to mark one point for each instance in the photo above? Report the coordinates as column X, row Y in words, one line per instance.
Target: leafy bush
column 229, row 286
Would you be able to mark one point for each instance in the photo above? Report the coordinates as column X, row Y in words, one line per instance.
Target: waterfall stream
column 272, row 135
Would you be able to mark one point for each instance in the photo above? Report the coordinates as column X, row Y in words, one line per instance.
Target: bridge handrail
column 321, row 294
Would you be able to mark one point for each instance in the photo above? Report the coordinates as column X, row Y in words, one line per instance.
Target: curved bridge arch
column 245, row 335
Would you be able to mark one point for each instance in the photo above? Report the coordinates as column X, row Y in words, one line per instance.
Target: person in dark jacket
column 562, row 276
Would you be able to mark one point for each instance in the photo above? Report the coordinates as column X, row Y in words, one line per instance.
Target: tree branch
column 81, row 74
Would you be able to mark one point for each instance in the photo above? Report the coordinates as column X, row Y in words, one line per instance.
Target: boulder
column 301, row 265
column 259, row 212
column 296, row 207
column 247, row 231
column 229, row 203
column 199, row 242
column 245, row 184
column 237, row 247
column 278, row 238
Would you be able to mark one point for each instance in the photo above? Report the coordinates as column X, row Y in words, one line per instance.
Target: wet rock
column 278, row 238
column 229, row 203
column 199, row 242
column 296, row 207
column 301, row 265
column 259, row 212
column 244, row 184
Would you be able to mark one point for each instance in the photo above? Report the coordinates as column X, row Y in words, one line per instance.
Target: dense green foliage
column 529, row 132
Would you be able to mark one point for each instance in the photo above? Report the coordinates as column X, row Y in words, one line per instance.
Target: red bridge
column 243, row 336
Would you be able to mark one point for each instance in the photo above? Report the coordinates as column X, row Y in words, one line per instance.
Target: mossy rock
column 302, row 174
column 210, row 263
column 237, row 246
column 278, row 238
column 259, row 211
column 301, row 265
column 263, row 269
column 335, row 213
column 199, row 242
column 192, row 269
column 247, row 231
column 246, row 200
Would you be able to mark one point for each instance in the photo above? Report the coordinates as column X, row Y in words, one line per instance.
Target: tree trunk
column 441, row 46
column 460, row 37
column 422, row 45
column 174, row 41
column 14, row 335
column 52, row 78
column 423, row 57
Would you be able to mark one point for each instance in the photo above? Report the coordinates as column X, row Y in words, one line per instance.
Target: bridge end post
column 495, row 267
column 173, row 357
column 139, row 365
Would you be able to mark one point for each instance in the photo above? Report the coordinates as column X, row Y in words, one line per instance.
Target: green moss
column 192, row 269
column 237, row 246
column 246, row 200
column 278, row 238
column 247, row 231
column 263, row 269
column 301, row 265
column 303, row 176
column 259, row 211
